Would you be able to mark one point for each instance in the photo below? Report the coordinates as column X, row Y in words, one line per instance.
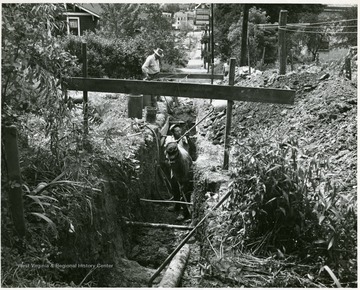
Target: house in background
column 81, row 17
column 183, row 20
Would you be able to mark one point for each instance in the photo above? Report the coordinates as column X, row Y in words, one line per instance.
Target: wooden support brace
column 190, row 90
column 165, row 201
column 190, row 76
column 155, row 225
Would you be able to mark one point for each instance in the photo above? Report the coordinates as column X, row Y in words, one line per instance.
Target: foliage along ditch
column 250, row 242
column 292, row 218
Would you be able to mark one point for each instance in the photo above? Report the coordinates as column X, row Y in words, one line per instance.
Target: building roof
column 206, row 5
column 91, row 8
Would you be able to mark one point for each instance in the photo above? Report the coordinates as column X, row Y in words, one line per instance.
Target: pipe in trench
column 182, row 243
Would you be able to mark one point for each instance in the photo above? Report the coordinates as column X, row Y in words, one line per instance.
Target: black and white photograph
column 179, row 144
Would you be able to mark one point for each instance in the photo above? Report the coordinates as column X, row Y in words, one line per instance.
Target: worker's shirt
column 151, row 65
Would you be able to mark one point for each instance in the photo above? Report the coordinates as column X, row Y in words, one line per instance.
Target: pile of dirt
column 323, row 116
column 324, row 121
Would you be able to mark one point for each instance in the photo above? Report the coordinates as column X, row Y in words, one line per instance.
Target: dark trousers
column 178, row 196
column 153, row 98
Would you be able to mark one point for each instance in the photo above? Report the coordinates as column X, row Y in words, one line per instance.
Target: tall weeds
column 287, row 202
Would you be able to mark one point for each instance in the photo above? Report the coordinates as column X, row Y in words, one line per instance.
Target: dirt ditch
column 150, row 246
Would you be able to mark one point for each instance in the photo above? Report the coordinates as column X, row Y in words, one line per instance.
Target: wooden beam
column 189, row 76
column 201, row 91
column 165, row 201
column 155, row 225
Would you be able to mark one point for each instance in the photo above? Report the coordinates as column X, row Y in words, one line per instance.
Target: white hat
column 159, row 52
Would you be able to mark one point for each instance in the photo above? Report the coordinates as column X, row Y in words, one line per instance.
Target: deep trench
column 151, row 246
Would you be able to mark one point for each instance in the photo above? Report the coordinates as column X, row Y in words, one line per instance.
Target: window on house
column 73, row 25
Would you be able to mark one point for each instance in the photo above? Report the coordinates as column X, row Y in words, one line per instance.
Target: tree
column 312, row 36
column 171, row 8
column 348, row 28
column 294, row 10
column 141, row 23
column 33, row 63
column 225, row 15
column 259, row 40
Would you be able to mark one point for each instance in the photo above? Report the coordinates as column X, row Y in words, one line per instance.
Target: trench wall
column 211, row 182
column 102, row 236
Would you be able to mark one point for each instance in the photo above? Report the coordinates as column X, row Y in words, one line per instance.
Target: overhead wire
column 317, row 32
column 335, row 21
column 316, row 27
column 314, row 24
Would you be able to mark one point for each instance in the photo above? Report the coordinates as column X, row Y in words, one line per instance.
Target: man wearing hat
column 151, row 66
column 176, row 134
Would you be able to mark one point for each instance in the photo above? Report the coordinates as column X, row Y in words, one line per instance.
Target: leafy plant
column 290, row 203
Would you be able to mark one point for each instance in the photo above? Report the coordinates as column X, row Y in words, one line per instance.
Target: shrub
column 291, row 203
column 117, row 58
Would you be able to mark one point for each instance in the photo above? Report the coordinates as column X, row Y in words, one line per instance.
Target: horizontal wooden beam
column 201, row 91
column 154, row 225
column 190, row 76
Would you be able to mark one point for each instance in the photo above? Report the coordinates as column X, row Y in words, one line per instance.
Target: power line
column 307, row 27
column 336, row 21
column 271, row 26
column 316, row 32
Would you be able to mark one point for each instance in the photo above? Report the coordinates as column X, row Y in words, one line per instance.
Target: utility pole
column 244, row 35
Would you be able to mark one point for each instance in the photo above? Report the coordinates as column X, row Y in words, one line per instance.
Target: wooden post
column 85, row 93
column 263, row 57
column 15, row 190
column 282, row 41
column 135, row 106
column 248, row 55
column 348, row 68
column 229, row 115
column 212, row 43
column 291, row 59
column 244, row 36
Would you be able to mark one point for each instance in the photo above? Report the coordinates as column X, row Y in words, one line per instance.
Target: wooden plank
column 165, row 201
column 201, row 91
column 190, row 76
column 155, row 225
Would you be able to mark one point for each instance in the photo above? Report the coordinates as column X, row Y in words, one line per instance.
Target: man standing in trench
column 151, row 68
column 187, row 185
